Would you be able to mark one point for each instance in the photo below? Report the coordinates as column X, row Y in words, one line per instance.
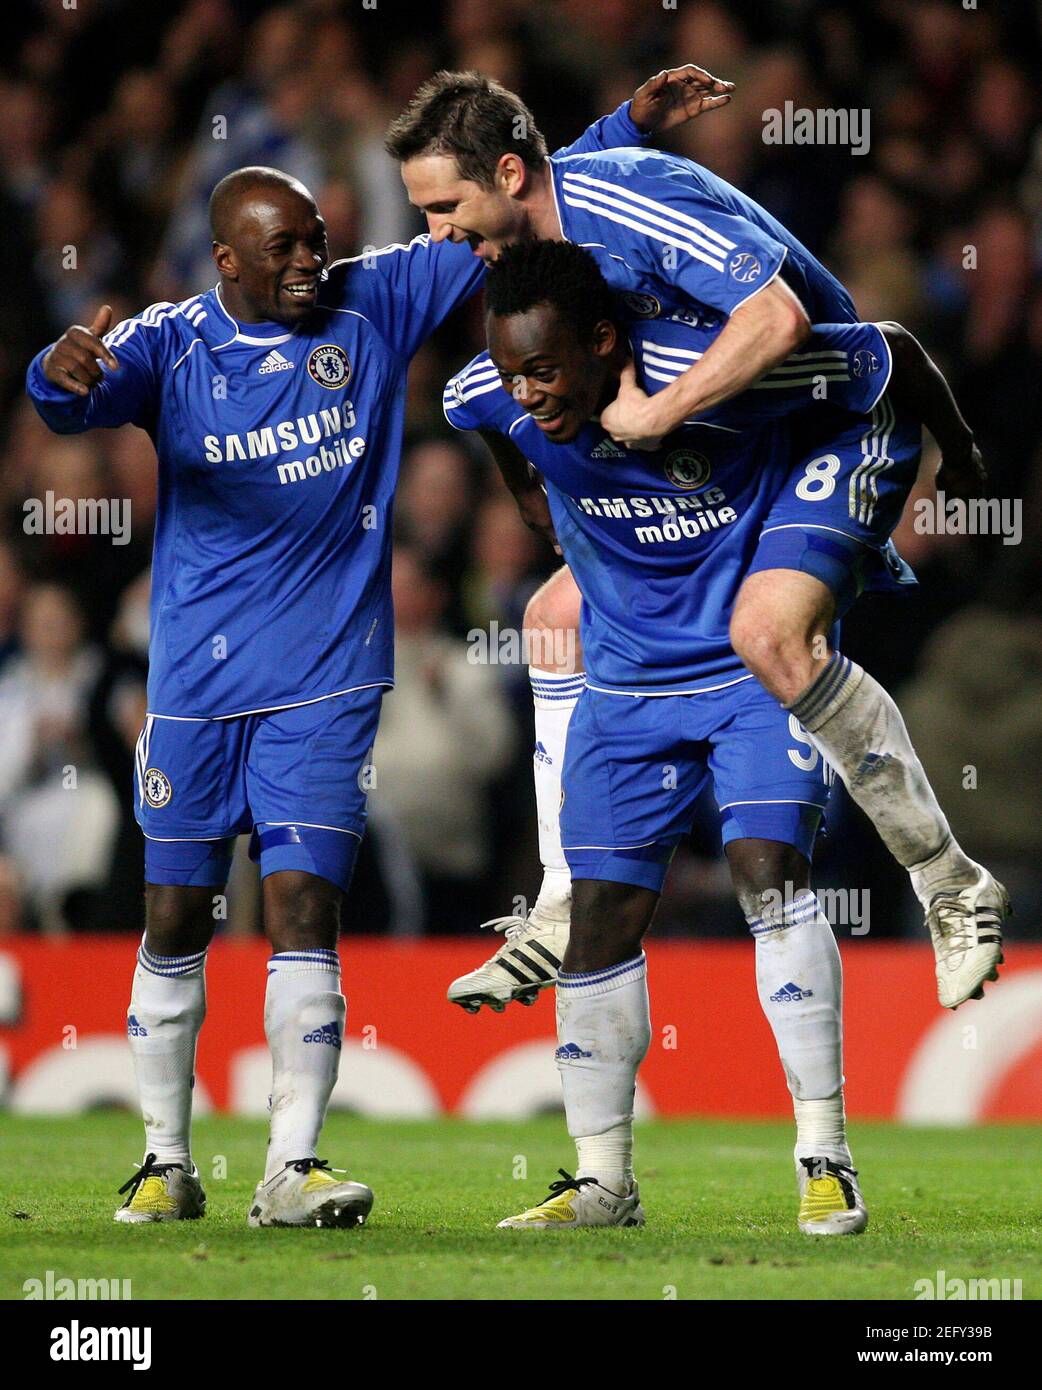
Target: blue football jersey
column 659, row 541
column 278, row 458
column 671, row 235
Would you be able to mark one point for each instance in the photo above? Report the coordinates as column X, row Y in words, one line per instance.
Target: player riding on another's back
column 658, row 541
column 679, row 242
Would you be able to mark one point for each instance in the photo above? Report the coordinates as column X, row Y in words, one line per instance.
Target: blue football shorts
column 834, row 516
column 635, row 765
column 296, row 778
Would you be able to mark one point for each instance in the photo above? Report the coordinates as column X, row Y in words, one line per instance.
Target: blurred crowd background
column 107, row 145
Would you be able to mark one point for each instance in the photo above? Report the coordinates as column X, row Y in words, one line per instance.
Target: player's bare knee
column 781, row 657
column 762, row 868
column 551, row 625
column 301, row 911
column 179, row 919
column 608, row 923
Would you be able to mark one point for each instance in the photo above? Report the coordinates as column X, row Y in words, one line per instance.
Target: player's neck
column 541, row 207
column 238, row 306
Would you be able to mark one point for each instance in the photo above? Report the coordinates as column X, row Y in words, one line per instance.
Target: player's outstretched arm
column 72, row 362
column 918, row 385
column 666, row 100
column 677, row 95
column 80, row 383
column 523, row 484
column 757, row 337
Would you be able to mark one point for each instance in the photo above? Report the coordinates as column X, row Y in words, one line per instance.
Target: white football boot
column 966, row 928
column 831, row 1203
column 528, row 961
column 578, row 1202
column 162, row 1192
column 305, row 1193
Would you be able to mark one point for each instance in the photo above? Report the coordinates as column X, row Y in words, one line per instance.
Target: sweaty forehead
column 261, row 211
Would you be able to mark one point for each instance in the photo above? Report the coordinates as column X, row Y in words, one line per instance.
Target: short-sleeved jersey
column 278, row 457
column 659, row 541
column 670, row 234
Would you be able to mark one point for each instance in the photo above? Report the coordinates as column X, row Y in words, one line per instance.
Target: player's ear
column 511, row 175
column 605, row 338
column 224, row 260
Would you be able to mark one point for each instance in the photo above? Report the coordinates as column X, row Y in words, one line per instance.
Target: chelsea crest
column 329, row 366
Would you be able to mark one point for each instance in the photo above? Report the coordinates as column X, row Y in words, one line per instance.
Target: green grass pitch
column 719, row 1197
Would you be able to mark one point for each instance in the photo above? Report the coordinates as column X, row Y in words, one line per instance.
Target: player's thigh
column 629, row 788
column 769, row 781
column 551, row 625
column 308, row 774
column 190, row 799
column 834, row 515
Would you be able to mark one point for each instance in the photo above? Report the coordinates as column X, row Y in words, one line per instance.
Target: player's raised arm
column 93, row 377
column 670, row 98
column 677, row 95
column 405, row 290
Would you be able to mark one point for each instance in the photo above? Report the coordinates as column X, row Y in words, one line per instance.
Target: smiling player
column 682, row 243
column 658, row 541
column 275, row 401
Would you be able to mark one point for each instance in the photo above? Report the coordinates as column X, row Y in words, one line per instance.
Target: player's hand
column 72, row 363
column 535, row 513
column 962, row 472
column 676, row 95
column 628, row 418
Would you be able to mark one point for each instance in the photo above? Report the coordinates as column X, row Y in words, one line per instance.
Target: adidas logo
column 608, row 449
column 328, row 1033
column 791, row 994
column 541, row 755
column 570, row 1052
column 274, row 362
column 135, row 1029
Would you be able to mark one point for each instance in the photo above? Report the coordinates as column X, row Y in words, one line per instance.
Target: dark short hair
column 227, row 196
column 557, row 273
column 471, row 117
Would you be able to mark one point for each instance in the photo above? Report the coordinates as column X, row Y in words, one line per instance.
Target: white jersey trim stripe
column 625, row 203
column 650, row 232
column 693, row 222
column 665, row 694
column 271, row 709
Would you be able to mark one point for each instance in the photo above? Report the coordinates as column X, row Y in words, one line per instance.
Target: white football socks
column 167, row 1008
column 603, row 1034
column 858, row 729
column 304, row 1014
column 555, row 698
column 799, row 978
